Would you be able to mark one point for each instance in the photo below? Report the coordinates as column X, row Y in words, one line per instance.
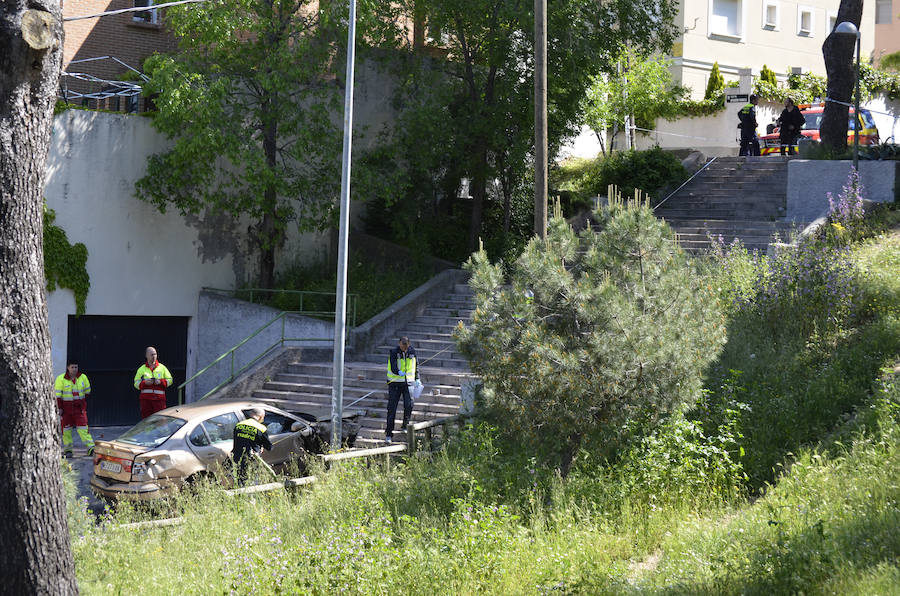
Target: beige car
column 177, row 445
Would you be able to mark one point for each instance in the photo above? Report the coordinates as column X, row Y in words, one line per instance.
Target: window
column 152, row 431
column 145, row 16
column 832, row 21
column 725, row 18
column 275, row 423
column 770, row 16
column 805, row 21
column 883, row 12
column 198, row 437
column 221, row 428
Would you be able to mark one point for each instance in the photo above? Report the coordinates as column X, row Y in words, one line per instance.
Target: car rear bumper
column 131, row 491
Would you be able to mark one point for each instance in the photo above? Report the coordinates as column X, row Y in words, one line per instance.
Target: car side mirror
column 297, row 427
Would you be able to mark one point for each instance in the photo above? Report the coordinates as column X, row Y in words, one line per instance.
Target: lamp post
column 848, row 28
column 340, row 299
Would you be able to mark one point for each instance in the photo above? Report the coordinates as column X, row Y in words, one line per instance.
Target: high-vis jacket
column 144, row 374
column 402, row 366
column 748, row 125
column 71, row 389
column 249, row 436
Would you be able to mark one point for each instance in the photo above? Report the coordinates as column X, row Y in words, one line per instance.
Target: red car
column 770, row 144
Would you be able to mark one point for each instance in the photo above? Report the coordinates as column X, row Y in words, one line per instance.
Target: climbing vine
column 65, row 265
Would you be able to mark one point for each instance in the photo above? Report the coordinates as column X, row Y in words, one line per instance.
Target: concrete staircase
column 734, row 197
column 442, row 369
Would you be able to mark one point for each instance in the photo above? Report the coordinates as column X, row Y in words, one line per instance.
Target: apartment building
column 781, row 34
column 97, row 50
column 887, row 28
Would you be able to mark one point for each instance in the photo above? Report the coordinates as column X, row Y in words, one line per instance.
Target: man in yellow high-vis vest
column 72, row 388
column 401, row 371
column 151, row 380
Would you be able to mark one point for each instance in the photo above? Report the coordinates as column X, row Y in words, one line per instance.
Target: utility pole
column 340, row 299
column 540, row 118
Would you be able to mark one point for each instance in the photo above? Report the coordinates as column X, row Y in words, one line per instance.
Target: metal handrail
column 234, row 374
column 683, row 184
column 352, row 299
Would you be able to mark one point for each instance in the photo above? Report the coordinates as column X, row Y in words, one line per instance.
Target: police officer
column 401, row 371
column 250, row 437
column 747, row 116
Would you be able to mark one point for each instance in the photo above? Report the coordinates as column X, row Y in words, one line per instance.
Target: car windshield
column 813, row 119
column 152, row 431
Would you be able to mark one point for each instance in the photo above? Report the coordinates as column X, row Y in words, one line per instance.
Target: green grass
column 376, row 286
column 484, row 517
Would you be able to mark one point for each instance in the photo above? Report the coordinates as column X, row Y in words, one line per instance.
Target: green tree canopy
column 469, row 112
column 591, row 331
column 639, row 86
column 249, row 101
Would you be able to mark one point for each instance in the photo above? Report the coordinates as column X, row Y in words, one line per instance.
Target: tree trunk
column 270, row 233
column 567, row 458
column 839, row 52
column 479, row 187
column 34, row 535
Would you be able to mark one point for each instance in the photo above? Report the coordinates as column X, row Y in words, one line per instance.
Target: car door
column 212, row 439
column 285, row 444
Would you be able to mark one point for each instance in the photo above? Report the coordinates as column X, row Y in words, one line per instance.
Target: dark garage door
column 110, row 349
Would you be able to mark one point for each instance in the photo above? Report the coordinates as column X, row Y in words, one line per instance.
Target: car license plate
column 110, row 466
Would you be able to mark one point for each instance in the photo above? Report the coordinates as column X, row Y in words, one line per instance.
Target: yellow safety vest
column 406, row 367
column 68, row 390
column 160, row 372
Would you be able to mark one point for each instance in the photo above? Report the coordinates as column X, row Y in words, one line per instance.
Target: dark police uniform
column 250, row 437
column 749, row 140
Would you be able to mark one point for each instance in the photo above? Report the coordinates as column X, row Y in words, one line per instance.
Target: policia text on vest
column 401, row 371
column 250, row 437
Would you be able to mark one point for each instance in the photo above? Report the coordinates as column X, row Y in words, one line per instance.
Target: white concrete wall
column 717, row 135
column 224, row 322
column 141, row 262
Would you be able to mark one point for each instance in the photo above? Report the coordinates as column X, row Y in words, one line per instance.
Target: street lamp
column 848, row 28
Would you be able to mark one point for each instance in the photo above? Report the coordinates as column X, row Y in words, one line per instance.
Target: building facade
column 738, row 34
column 887, row 28
column 99, row 51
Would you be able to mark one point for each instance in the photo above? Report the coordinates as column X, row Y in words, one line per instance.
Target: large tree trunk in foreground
column 35, row 557
column 840, row 53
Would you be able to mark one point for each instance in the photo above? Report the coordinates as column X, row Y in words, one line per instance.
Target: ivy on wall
column 65, row 265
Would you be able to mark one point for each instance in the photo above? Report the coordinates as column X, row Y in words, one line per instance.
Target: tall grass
column 814, row 422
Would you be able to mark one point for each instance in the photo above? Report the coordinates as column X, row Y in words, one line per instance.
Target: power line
column 135, row 9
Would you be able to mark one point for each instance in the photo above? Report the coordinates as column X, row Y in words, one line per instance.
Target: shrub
column 715, row 84
column 589, row 332
column 649, row 171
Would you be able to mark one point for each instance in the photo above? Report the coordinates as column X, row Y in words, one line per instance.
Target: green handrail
column 230, row 354
column 352, row 299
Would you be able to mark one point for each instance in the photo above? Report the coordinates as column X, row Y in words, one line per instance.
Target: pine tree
column 716, row 82
column 590, row 332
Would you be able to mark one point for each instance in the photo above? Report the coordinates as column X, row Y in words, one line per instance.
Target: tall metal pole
column 340, row 302
column 540, row 118
column 856, row 115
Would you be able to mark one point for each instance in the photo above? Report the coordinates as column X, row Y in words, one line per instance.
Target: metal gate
column 110, row 349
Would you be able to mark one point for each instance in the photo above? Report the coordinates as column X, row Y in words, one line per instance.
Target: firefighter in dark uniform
column 747, row 116
column 250, row 437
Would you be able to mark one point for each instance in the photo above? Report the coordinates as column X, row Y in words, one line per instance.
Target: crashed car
column 178, row 445
column 770, row 144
